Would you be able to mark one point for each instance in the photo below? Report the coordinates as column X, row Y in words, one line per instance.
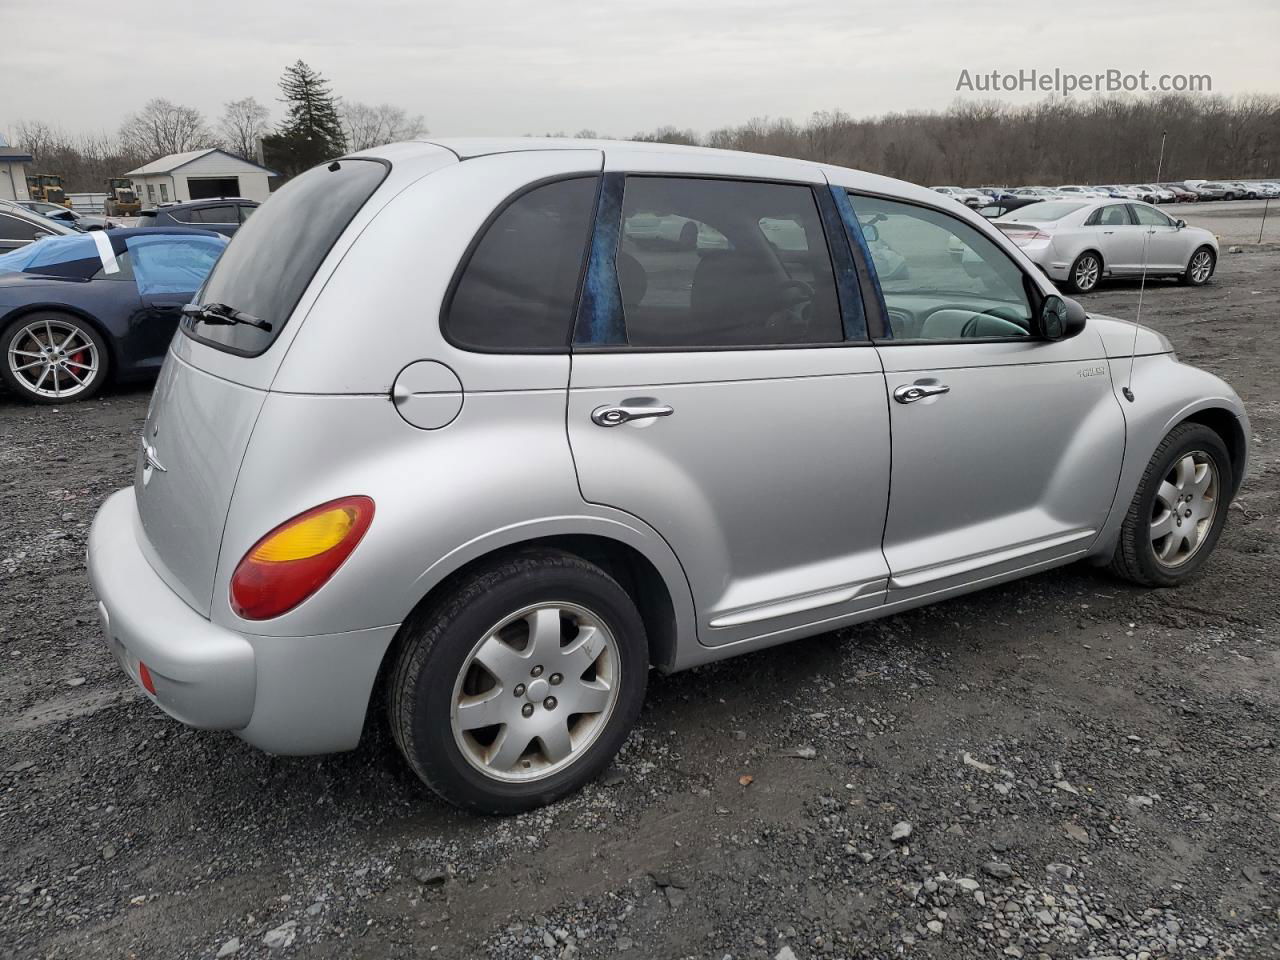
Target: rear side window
column 223, row 213
column 13, row 228
column 724, row 263
column 518, row 288
column 269, row 264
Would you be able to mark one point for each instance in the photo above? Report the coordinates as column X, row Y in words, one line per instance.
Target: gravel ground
column 1062, row 767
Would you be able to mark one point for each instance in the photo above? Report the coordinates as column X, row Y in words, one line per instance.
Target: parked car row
column 223, row 215
column 1186, row 191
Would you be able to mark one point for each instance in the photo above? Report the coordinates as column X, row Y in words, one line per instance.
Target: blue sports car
column 77, row 310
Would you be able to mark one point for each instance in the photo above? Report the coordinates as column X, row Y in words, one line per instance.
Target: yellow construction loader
column 122, row 200
column 47, row 188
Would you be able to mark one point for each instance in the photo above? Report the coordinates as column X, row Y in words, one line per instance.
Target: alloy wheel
column 1201, row 266
column 1186, row 503
column 1086, row 276
column 53, row 358
column 536, row 692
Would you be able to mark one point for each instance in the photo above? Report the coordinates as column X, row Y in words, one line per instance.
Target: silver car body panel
column 785, row 495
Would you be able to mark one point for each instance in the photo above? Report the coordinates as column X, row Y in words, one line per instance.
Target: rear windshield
column 1046, row 212
column 274, row 255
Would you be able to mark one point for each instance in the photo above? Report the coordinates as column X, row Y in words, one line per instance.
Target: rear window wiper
column 220, row 313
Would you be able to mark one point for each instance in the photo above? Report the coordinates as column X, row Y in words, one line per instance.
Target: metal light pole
column 1265, row 205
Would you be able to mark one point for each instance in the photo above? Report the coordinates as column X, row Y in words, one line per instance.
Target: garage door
column 205, row 188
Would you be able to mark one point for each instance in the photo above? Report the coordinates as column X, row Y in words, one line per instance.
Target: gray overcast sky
column 507, row 67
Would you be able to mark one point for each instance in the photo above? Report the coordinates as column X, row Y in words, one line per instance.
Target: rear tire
column 51, row 358
column 1186, row 490
column 512, row 637
column 1085, row 272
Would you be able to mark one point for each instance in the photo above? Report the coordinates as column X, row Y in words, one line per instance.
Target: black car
column 998, row 209
column 19, row 227
column 76, row 310
column 223, row 215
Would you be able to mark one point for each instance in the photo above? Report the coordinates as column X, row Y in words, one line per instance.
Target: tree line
column 1054, row 141
column 1051, row 142
column 316, row 126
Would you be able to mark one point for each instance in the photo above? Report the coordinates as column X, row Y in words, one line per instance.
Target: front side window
column 166, row 264
column 1113, row 215
column 723, row 263
column 1150, row 216
column 518, row 288
column 941, row 278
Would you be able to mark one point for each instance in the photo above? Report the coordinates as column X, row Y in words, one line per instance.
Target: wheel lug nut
column 555, row 679
column 549, row 703
column 519, row 690
column 536, row 672
column 527, row 710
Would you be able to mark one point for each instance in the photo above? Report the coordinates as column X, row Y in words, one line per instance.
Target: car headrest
column 633, row 281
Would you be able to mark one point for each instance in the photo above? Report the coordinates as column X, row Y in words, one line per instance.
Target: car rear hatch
column 218, row 374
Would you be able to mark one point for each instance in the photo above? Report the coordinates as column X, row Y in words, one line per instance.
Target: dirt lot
column 1087, row 769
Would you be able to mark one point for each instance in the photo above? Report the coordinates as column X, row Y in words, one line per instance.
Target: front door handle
column 911, row 392
column 614, row 415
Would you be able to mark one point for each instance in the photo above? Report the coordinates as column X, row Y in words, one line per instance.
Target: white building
column 200, row 175
column 13, row 172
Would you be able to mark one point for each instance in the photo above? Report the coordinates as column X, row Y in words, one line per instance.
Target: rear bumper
column 293, row 695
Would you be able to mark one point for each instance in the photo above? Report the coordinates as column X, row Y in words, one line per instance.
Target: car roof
column 161, row 231
column 202, row 202
column 742, row 162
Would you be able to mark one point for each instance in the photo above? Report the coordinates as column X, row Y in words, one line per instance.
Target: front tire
column 1178, row 511
column 521, row 684
column 1085, row 272
column 1200, row 267
column 48, row 357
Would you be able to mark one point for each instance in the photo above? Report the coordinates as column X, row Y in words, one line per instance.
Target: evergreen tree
column 311, row 131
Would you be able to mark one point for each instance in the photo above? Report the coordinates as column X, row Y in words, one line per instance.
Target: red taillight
column 144, row 676
column 295, row 559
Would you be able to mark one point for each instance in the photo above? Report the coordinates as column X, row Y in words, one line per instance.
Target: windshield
column 274, row 255
column 1045, row 212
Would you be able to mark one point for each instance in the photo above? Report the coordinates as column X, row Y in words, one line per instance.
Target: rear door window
column 722, row 263
column 267, row 267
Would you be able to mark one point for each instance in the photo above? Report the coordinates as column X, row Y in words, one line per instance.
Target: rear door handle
column 615, row 415
column 911, row 392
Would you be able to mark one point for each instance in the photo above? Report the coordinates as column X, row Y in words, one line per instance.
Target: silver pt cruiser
column 484, row 430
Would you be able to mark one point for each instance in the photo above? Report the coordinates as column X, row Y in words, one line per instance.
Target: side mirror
column 1179, row 224
column 1061, row 317
column 870, row 233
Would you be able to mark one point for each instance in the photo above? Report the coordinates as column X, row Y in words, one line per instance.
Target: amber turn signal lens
column 298, row 557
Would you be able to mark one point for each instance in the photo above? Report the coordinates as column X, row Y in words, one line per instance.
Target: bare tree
column 371, row 126
column 163, row 127
column 243, row 123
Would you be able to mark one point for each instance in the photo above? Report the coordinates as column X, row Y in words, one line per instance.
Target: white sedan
column 1079, row 242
